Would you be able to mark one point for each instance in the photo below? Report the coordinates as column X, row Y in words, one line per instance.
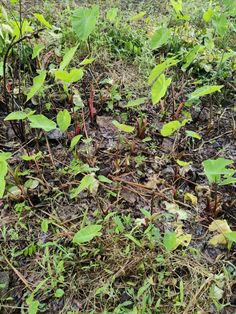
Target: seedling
column 218, row 174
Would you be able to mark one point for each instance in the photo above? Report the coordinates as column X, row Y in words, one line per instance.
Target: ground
column 147, row 190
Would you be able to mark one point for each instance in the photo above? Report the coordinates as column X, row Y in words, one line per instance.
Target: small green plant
column 217, row 172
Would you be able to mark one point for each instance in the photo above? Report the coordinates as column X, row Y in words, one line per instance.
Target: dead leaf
column 190, row 197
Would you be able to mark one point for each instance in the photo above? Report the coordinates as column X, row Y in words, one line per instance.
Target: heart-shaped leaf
column 39, row 121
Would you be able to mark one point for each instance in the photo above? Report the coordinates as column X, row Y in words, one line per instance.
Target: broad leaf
column 231, row 236
column 86, row 183
column 170, row 241
column 68, row 57
column 42, row 20
column 111, row 14
column 160, row 37
column 84, row 21
column 159, row 88
column 16, row 115
column 160, row 68
column 63, row 120
column 191, row 55
column 36, row 50
column 37, row 84
column 69, row 77
column 136, row 102
column 214, row 169
column 123, row 127
column 205, row 90
column 75, row 141
column 193, row 134
column 170, row 127
column 87, row 234
column 39, row 121
column 87, row 61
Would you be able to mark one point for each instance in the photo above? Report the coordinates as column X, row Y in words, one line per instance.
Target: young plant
column 218, row 174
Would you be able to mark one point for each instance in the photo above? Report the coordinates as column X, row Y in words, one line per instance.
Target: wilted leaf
column 175, row 210
column 190, row 197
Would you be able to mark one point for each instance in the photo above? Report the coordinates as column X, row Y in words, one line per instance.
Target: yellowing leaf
column 220, row 226
column 190, row 197
column 218, row 239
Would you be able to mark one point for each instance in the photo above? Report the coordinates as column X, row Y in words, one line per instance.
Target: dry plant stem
column 21, row 277
column 199, row 291
column 49, row 150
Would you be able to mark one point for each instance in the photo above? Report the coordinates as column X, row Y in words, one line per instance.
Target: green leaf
column 214, row 169
column 177, row 5
column 59, row 293
column 69, row 55
column 112, row 14
column 133, row 239
column 170, row 127
column 123, row 127
column 63, row 120
column 33, row 305
column 16, row 115
column 84, row 21
column 75, row 141
column 1, row 68
column 138, row 16
column 39, row 121
column 104, row 179
column 207, row 16
column 205, row 90
column 36, row 50
column 193, row 134
column 86, row 183
column 160, row 68
column 159, row 88
column 42, row 20
column 69, row 77
column 191, row 55
column 87, row 234
column 44, row 225
column 182, row 163
column 37, row 84
column 160, row 37
column 87, row 61
column 31, row 184
column 231, row 236
column 170, row 240
column 136, row 102
column 220, row 24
